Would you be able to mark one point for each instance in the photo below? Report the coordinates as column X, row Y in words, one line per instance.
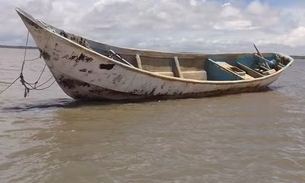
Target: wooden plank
column 265, row 61
column 196, row 75
column 249, row 71
column 177, row 69
column 139, row 62
column 171, row 74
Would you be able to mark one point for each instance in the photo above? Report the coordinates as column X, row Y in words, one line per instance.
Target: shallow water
column 48, row 137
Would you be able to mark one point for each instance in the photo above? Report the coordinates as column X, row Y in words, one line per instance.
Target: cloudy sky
column 210, row 26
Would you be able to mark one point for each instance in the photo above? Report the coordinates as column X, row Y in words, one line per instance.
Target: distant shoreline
column 18, row 47
column 297, row 57
column 34, row 47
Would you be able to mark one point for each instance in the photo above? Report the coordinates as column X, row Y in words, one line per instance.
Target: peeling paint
column 45, row 55
column 83, row 70
column 83, row 57
column 81, row 90
column 30, row 22
column 163, row 85
column 73, row 57
column 72, row 83
column 63, row 33
column 106, row 66
column 152, row 92
column 80, row 40
column 55, row 56
column 117, row 79
column 77, row 58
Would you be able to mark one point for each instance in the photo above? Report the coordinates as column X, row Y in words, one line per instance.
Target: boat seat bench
column 196, row 75
column 171, row 74
column 176, row 70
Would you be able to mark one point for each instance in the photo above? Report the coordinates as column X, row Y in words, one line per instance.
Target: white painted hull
column 86, row 74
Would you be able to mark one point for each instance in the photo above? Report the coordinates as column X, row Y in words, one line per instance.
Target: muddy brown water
column 48, row 137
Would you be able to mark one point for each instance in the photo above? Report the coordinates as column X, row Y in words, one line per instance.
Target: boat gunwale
column 91, row 51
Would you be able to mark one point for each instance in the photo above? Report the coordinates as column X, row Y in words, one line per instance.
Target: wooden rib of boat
column 87, row 69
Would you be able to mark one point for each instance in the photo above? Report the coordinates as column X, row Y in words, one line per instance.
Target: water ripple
column 253, row 137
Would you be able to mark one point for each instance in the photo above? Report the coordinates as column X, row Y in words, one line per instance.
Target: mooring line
column 40, row 74
column 9, row 85
column 45, row 87
column 25, row 52
column 44, row 82
column 29, row 86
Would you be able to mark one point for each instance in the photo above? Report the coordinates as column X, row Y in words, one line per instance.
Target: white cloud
column 234, row 25
column 208, row 26
column 226, row 4
column 257, row 8
column 295, row 38
column 229, row 11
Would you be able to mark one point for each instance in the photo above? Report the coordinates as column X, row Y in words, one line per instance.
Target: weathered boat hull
column 85, row 74
column 78, row 89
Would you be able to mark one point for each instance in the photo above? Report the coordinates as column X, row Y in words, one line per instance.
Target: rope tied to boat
column 30, row 86
column 9, row 85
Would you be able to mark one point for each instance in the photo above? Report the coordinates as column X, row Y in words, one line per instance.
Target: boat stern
column 36, row 28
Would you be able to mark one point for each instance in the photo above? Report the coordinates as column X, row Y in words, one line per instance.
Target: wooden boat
column 86, row 69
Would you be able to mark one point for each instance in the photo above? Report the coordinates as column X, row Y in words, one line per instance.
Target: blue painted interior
column 252, row 62
column 247, row 60
column 216, row 73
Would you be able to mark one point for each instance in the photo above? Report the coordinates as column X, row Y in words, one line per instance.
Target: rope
column 29, row 86
column 9, row 85
column 25, row 51
column 40, row 74
column 33, row 59
column 26, row 88
column 46, row 87
column 23, row 82
column 44, row 83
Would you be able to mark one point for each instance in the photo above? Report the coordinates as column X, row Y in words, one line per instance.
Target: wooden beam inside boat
column 249, row 71
column 139, row 63
column 176, row 69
